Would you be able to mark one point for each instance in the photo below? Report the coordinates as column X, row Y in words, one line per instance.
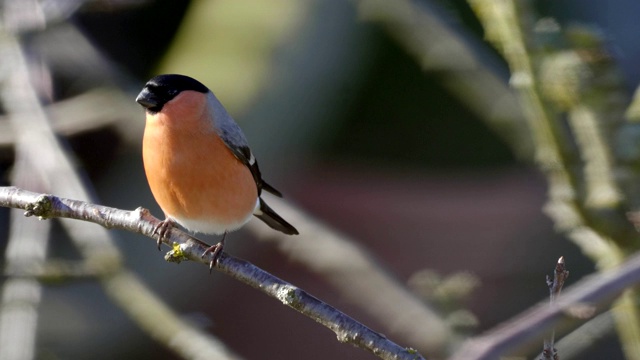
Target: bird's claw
column 215, row 251
column 162, row 229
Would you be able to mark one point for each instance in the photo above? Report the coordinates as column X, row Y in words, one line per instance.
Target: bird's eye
column 172, row 92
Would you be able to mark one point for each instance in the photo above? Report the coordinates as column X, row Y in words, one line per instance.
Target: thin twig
column 560, row 274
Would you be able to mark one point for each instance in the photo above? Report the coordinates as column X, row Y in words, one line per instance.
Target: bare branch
column 560, row 274
column 185, row 247
column 580, row 301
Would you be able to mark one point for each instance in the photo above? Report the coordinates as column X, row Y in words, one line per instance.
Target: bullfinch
column 198, row 163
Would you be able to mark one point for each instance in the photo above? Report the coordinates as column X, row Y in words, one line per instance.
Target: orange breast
column 194, row 176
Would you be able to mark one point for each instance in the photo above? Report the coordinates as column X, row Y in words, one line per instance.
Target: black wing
column 243, row 153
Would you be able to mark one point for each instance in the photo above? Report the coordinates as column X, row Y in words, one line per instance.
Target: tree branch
column 185, row 247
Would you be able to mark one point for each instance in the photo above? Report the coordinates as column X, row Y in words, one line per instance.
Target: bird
column 198, row 163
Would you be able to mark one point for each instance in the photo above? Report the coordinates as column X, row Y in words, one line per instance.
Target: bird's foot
column 162, row 229
column 215, row 251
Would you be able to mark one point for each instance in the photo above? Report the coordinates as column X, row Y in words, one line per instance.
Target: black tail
column 270, row 189
column 274, row 220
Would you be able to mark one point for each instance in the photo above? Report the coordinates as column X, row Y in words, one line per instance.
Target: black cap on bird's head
column 162, row 88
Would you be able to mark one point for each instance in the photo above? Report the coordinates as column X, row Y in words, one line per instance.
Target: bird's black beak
column 149, row 100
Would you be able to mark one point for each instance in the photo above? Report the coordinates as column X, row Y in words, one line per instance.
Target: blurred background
column 391, row 122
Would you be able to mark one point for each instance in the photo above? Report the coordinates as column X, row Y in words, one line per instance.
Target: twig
column 185, row 247
column 582, row 300
column 560, row 274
